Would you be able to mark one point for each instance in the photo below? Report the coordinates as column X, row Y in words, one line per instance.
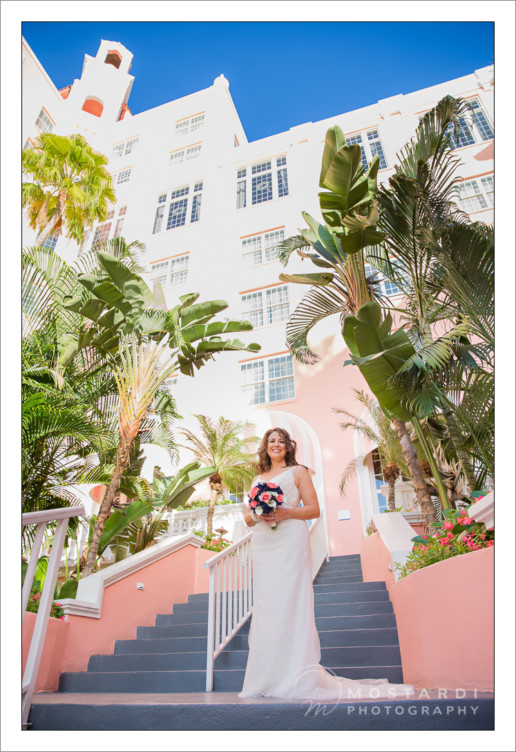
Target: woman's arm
column 310, row 509
column 248, row 519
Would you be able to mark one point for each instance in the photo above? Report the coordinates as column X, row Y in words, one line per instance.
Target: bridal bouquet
column 264, row 498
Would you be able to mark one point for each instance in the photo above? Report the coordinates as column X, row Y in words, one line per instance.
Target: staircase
column 158, row 679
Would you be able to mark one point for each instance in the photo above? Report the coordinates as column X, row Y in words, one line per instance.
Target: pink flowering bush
column 33, row 605
column 457, row 534
column 212, row 543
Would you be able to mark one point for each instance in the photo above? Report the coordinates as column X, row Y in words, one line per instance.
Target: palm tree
column 444, row 265
column 69, row 188
column 379, row 432
column 349, row 208
column 221, row 445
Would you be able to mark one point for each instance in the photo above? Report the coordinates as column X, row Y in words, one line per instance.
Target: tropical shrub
column 34, row 600
column 212, row 543
column 457, row 534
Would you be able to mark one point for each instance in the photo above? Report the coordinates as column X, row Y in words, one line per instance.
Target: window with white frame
column 44, row 124
column 262, row 182
column 266, row 307
column 101, row 233
column 476, row 195
column 120, row 221
column 262, row 248
column 182, row 204
column 171, row 272
column 179, row 156
column 126, row 147
column 190, row 125
column 370, row 147
column 474, row 128
column 268, row 380
column 123, row 176
column 384, row 286
column 51, row 241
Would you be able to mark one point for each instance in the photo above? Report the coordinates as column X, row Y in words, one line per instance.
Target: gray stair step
column 339, row 576
column 339, row 622
column 348, row 587
column 380, row 654
column 195, row 681
column 350, row 596
column 63, row 712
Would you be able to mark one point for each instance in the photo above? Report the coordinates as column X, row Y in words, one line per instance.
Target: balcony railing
column 40, row 628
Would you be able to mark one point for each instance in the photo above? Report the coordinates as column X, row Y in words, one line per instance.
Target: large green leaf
column 119, row 519
column 200, row 312
column 379, row 354
column 315, row 278
column 200, row 331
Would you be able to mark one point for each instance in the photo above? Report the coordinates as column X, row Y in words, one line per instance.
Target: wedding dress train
column 284, row 647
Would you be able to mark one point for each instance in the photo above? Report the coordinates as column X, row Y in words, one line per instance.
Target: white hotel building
column 210, row 206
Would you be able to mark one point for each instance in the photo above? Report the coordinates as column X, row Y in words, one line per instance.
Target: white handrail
column 40, row 627
column 231, row 603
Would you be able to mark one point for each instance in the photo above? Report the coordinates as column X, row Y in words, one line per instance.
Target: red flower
column 253, row 492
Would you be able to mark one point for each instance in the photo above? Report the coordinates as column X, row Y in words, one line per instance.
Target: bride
column 284, row 648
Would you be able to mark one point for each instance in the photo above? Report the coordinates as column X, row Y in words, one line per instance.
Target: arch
column 113, row 58
column 309, row 451
column 94, row 106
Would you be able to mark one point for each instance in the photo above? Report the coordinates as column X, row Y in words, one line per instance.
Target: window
column 268, row 380
column 266, row 307
column 126, row 147
column 476, row 195
column 101, row 233
column 196, row 203
column 44, row 123
column 269, row 180
column 370, row 147
column 120, row 222
column 190, row 125
column 178, row 270
column 51, row 241
column 385, row 286
column 473, row 128
column 171, row 272
column 260, row 249
column 178, row 208
column 178, row 157
column 123, row 176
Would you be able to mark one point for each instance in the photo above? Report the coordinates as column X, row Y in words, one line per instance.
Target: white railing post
column 37, row 642
column 211, row 627
column 32, row 564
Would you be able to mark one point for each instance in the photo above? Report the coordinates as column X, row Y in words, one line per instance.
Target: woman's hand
column 278, row 515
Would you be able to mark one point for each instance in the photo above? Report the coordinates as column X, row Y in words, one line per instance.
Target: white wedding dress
column 284, row 648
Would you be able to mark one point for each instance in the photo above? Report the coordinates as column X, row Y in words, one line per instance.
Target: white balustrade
column 40, row 627
column 229, row 516
column 230, row 601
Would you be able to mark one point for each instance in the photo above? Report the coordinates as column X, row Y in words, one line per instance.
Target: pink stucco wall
column 124, row 608
column 445, row 617
column 50, row 665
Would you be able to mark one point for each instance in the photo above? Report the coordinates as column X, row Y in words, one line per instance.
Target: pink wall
column 50, row 666
column 445, row 617
column 124, row 608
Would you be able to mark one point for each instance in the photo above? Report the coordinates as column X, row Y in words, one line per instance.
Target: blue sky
column 281, row 74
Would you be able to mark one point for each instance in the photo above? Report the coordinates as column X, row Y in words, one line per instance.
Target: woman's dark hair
column 264, row 461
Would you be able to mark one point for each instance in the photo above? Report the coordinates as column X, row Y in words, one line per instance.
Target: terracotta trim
column 251, row 163
column 262, row 357
column 480, row 175
column 203, row 112
column 184, row 148
column 253, row 234
column 264, row 287
column 183, row 253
